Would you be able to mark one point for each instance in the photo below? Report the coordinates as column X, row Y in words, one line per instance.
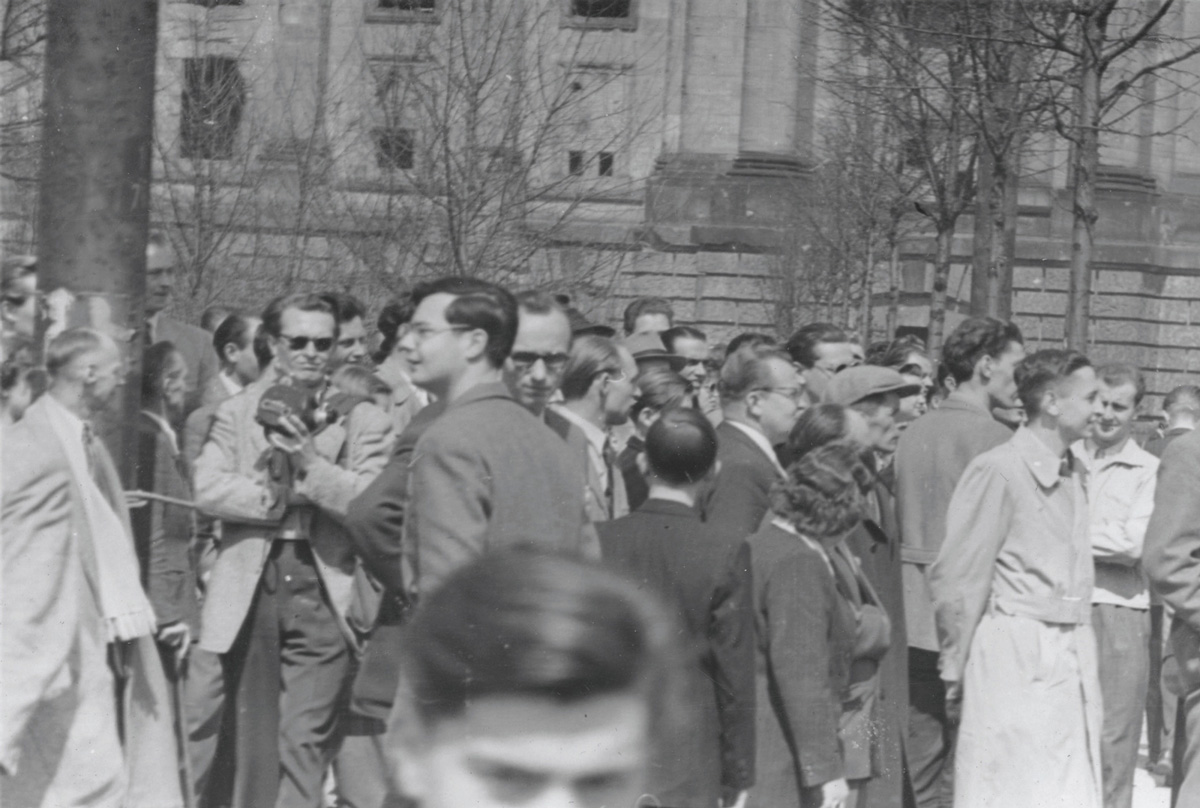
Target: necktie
column 610, row 461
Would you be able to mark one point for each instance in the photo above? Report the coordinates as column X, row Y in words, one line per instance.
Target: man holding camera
column 279, row 469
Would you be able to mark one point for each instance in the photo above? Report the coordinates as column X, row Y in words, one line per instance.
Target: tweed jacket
column 740, row 496
column 595, row 495
column 488, row 474
column 231, row 484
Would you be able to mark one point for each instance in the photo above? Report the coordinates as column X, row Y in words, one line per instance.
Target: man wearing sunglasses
column 282, row 583
column 535, row 367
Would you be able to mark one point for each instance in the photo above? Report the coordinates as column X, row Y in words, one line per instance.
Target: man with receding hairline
column 696, row 570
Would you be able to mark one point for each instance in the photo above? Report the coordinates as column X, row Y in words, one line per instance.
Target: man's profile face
column 1079, row 406
column 160, row 278
column 534, row 369
column 242, row 361
column 882, row 430
column 305, row 344
column 351, row 346
column 780, row 404
column 506, row 751
column 1002, row 387
column 622, row 389
column 1118, row 407
column 109, row 368
column 438, row 357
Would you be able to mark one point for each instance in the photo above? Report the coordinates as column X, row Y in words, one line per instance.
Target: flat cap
column 863, row 381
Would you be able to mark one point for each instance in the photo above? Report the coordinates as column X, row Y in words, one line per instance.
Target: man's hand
column 293, row 437
column 834, row 793
column 177, row 636
column 954, row 696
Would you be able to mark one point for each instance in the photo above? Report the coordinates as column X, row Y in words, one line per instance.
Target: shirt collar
column 760, row 440
column 232, row 385
column 1044, row 463
column 596, row 436
column 65, row 416
column 166, row 428
column 1130, row 454
column 952, row 402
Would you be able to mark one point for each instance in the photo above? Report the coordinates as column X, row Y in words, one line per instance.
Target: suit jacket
column 405, row 401
column 163, row 532
column 198, row 352
column 595, row 493
column 740, row 497
column 805, row 635
column 488, row 474
column 636, row 488
column 1171, row 556
column 666, row 548
column 57, row 702
column 375, row 520
column 232, row 485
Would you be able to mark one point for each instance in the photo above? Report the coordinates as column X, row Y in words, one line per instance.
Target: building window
column 404, row 10
column 212, row 101
column 215, row 3
column 613, row 14
column 606, row 163
column 575, row 163
column 394, row 147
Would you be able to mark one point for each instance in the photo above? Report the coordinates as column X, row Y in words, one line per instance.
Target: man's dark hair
column 647, row 305
column 1116, row 374
column 272, row 316
column 233, row 329
column 12, row 270
column 590, row 355
column 681, row 446
column 1038, row 371
column 975, row 338
column 817, row 426
column 1183, row 397
column 477, row 304
column 527, row 623
column 535, row 301
column 894, row 354
column 746, row 370
column 263, row 352
column 751, row 338
column 345, row 306
column 659, row 389
column 681, row 332
column 802, row 346
column 213, row 316
column 395, row 313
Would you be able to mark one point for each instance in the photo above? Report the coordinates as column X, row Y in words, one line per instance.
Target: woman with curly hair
column 807, row 631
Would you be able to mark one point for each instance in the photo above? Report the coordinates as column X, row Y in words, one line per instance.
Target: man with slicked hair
column 695, row 569
column 530, row 678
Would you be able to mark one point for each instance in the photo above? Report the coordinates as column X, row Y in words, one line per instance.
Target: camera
column 282, row 400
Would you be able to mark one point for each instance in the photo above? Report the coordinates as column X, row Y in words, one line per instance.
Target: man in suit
column 487, row 473
column 283, row 580
column 598, row 392
column 77, row 625
column 667, row 548
column 193, row 342
column 233, row 342
column 762, row 395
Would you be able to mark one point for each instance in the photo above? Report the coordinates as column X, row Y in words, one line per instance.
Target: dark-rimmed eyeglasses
column 524, row 360
column 322, row 344
column 420, row 333
column 798, row 395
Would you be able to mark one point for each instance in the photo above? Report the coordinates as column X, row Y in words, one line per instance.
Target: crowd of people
column 490, row 553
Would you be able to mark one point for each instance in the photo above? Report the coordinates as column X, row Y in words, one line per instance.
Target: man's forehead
column 298, row 318
column 353, row 327
column 433, row 308
column 1121, row 390
column 159, row 258
column 540, row 330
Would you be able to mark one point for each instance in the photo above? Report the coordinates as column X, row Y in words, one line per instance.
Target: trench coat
column 1012, row 588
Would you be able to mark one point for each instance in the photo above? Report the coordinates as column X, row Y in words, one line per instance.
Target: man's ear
column 476, row 344
column 228, row 352
column 1049, row 402
column 986, row 366
column 643, row 465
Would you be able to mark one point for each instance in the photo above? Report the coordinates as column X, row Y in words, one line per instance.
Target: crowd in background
column 900, row 579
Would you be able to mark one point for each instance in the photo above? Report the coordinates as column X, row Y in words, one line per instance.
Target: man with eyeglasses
column 598, row 393
column 539, row 355
column 487, row 473
column 762, row 395
column 193, row 342
column 281, row 586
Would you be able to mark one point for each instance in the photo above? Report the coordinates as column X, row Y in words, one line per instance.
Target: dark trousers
column 287, row 676
column 1121, row 640
column 204, row 698
column 930, row 746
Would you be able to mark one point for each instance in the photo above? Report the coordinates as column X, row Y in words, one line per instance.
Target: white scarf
column 126, row 610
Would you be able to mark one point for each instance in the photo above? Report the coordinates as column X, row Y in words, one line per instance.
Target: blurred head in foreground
column 533, row 679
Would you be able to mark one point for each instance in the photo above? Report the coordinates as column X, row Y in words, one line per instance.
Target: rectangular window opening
column 394, row 147
column 602, row 9
column 427, row 6
column 213, row 97
column 575, row 163
column 606, row 164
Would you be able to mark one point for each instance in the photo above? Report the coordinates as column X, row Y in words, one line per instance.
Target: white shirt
column 760, row 440
column 1120, row 491
column 166, row 427
column 232, row 385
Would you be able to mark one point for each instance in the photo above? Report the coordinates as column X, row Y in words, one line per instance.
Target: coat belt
column 1066, row 611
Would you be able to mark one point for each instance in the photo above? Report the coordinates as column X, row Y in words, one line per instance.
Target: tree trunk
column 893, row 310
column 941, row 279
column 95, row 184
column 1086, row 159
column 982, row 265
column 1005, row 239
column 864, row 326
